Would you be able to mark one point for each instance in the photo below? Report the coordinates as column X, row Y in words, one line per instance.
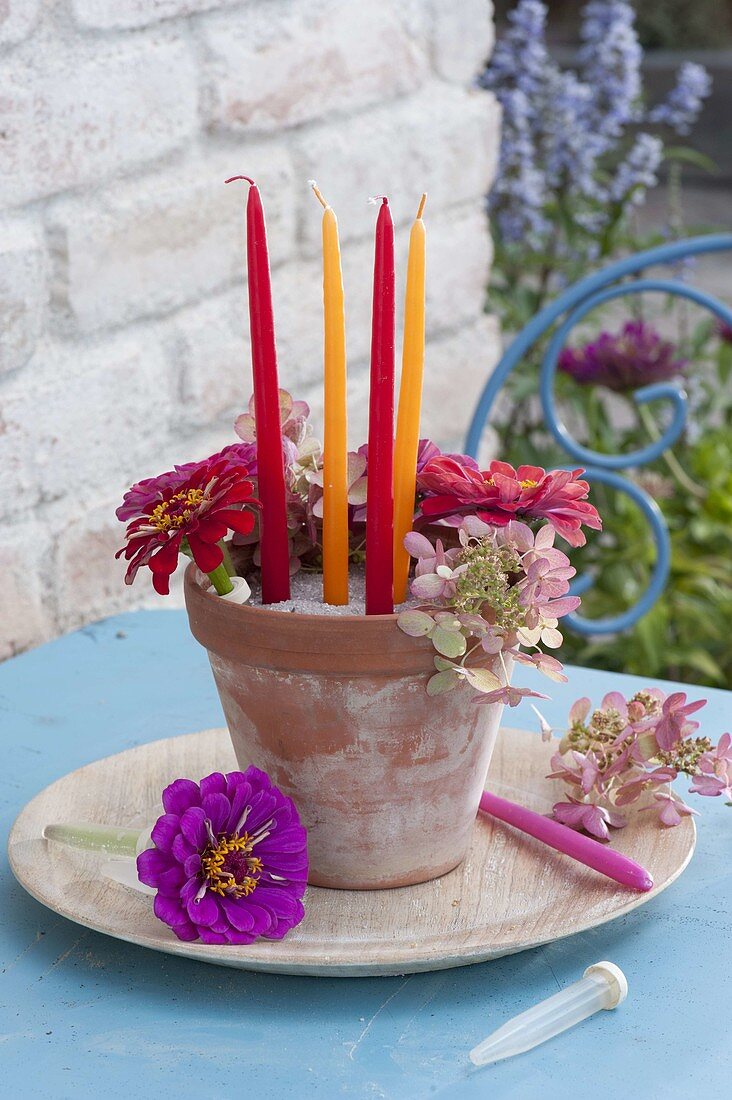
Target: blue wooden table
column 86, row 1016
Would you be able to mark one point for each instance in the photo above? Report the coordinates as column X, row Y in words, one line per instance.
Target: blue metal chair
column 565, row 312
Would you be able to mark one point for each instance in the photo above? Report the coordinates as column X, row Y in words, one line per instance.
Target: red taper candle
column 274, row 547
column 380, row 498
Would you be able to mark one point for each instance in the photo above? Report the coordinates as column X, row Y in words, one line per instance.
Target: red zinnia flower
column 501, row 493
column 200, row 507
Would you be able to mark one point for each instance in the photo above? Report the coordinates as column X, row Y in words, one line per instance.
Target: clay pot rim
column 193, row 576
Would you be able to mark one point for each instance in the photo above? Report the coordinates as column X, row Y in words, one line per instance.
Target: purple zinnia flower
column 637, row 356
column 230, row 859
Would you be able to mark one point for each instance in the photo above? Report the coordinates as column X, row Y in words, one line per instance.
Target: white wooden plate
column 511, row 892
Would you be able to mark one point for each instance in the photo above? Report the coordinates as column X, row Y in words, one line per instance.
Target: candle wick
column 423, row 200
column 247, row 178
column 374, row 200
column 318, row 194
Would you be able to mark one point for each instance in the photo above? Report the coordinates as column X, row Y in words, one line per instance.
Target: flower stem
column 95, row 838
column 469, row 652
column 221, row 580
column 227, row 562
column 669, row 457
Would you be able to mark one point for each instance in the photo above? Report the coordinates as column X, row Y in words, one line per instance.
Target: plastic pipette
column 120, row 845
column 602, row 986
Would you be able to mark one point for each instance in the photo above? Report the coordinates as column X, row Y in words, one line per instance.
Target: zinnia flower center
column 527, row 484
column 229, row 867
column 177, row 510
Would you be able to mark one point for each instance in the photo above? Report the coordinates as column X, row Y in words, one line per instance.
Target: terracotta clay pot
column 386, row 779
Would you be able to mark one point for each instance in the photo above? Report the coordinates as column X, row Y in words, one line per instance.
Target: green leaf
column 442, row 682
column 416, row 624
column 482, row 679
column 724, row 362
column 686, row 155
column 700, row 660
column 442, row 665
column 449, row 642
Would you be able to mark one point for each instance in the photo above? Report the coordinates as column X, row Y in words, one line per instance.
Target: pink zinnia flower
column 136, row 498
column 200, row 508
column 501, row 493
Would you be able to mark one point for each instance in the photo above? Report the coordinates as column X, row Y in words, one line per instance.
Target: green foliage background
column 688, row 634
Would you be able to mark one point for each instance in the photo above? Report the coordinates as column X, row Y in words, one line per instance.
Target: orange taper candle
column 335, row 443
column 410, row 403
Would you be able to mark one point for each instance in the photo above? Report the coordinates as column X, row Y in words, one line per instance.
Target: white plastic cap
column 614, row 977
column 240, row 593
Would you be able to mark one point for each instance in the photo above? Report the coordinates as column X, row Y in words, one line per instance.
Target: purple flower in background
column 571, row 146
column 637, row 172
column 683, row 104
column 518, row 75
column 519, row 192
column 637, row 356
column 724, row 331
column 567, row 143
column 610, row 60
column 230, row 859
column 520, row 57
column 236, row 454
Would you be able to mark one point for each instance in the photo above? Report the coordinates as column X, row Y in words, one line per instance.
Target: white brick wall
column 123, row 318
column 17, row 20
column 23, row 292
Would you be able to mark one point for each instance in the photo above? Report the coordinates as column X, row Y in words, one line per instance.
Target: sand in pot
column 306, row 592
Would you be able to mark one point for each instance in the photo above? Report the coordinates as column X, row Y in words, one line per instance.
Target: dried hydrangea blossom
column 628, row 752
column 498, row 590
